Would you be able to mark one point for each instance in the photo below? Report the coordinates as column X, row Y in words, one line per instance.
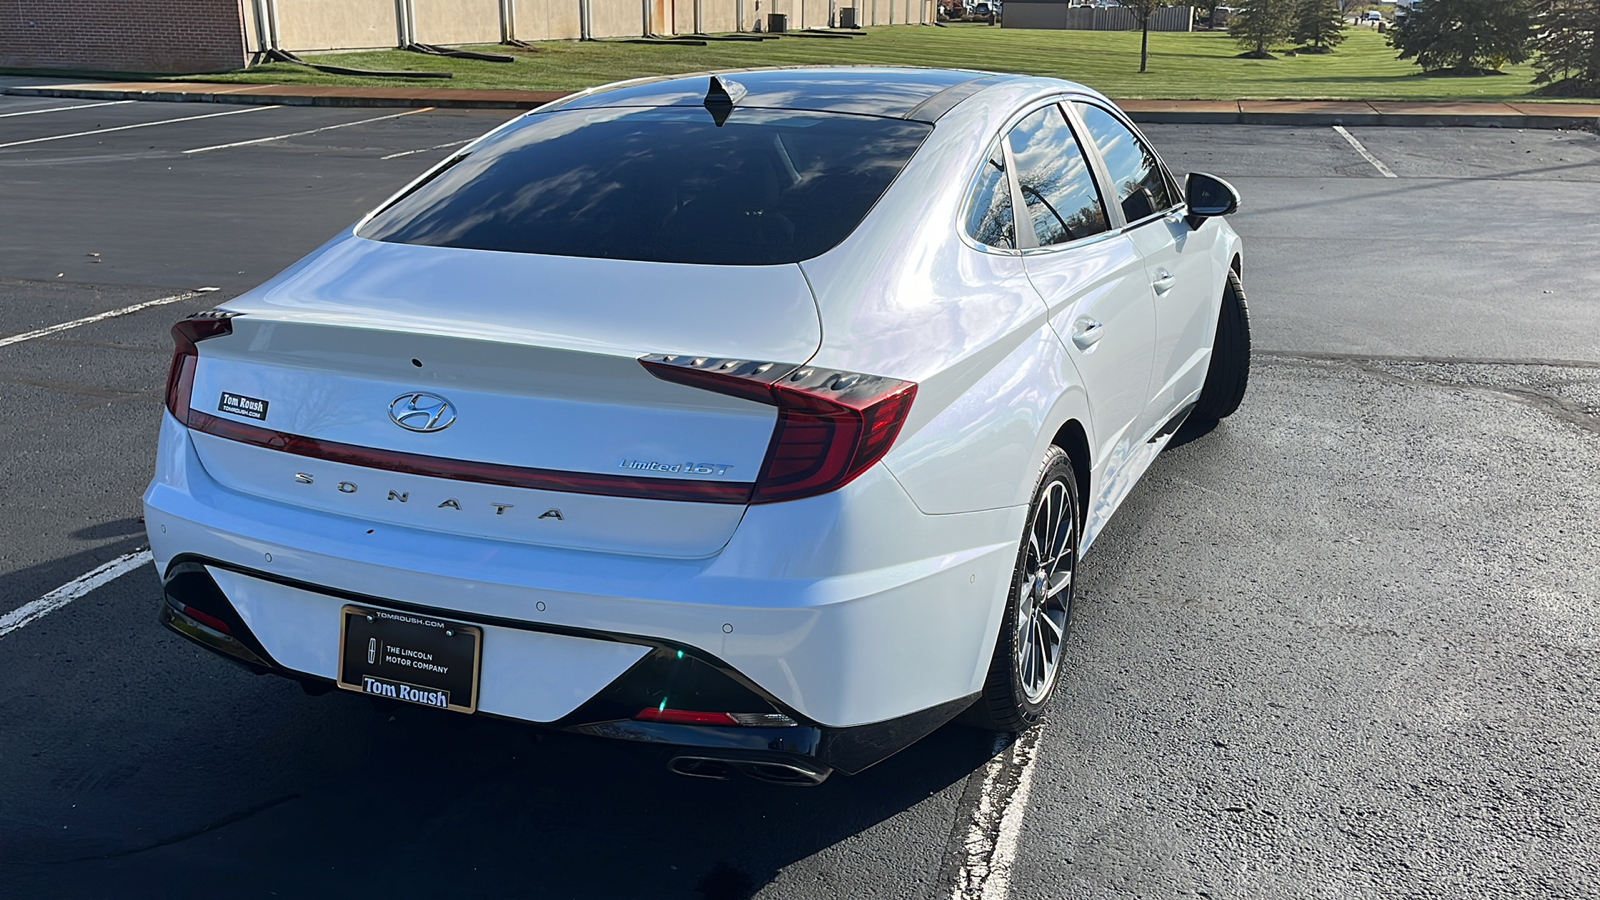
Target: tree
column 1143, row 10
column 1260, row 24
column 1464, row 36
column 1567, row 38
column 1319, row 25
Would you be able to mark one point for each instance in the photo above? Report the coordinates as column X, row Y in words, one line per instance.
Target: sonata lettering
column 349, row 487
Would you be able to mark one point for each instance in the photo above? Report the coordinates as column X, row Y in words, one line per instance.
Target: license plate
column 410, row 657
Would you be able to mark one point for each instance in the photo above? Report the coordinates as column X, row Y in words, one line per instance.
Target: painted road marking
column 279, row 137
column 100, row 317
column 62, row 137
column 35, row 112
column 72, row 590
column 1376, row 162
column 426, row 149
column 989, row 846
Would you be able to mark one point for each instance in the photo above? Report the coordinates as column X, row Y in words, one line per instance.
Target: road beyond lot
column 1344, row 645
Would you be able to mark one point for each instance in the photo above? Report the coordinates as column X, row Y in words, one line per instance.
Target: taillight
column 201, row 326
column 832, row 425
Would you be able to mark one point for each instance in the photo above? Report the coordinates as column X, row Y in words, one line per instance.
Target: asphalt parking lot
column 1345, row 645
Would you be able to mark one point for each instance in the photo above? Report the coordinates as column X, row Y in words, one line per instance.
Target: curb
column 450, row 98
column 1365, row 120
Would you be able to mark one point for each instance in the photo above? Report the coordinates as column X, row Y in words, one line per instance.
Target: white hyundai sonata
column 765, row 415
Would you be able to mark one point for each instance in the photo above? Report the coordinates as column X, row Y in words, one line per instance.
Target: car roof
column 892, row 91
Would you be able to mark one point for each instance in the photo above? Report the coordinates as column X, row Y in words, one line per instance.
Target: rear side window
column 1141, row 187
column 989, row 219
column 1054, row 177
column 660, row 184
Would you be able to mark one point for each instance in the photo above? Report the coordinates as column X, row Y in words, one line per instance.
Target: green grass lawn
column 1199, row 66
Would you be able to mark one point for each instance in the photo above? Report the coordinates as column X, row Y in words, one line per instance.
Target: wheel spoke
column 1062, row 553
column 1053, row 626
column 1055, row 518
column 1058, row 583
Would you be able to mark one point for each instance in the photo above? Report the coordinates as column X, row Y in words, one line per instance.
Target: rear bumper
column 196, row 607
column 850, row 609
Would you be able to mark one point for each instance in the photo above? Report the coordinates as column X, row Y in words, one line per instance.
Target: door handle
column 1086, row 332
column 1164, row 281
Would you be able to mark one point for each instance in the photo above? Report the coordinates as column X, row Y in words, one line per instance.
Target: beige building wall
column 330, row 25
column 457, row 21
column 543, row 20
column 362, row 24
column 616, row 18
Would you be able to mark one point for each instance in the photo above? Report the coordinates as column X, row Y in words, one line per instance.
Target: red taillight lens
column 180, row 378
column 832, row 425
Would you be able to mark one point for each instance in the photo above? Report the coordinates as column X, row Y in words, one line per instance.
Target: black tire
column 1011, row 699
column 1229, row 373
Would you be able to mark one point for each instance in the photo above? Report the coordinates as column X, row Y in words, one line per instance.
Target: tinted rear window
column 664, row 185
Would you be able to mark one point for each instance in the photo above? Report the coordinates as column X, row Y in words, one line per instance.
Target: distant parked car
column 1374, row 16
column 982, row 9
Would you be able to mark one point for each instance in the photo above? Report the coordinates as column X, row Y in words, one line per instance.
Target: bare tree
column 1143, row 10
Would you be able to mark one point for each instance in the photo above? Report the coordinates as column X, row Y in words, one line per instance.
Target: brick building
column 122, row 35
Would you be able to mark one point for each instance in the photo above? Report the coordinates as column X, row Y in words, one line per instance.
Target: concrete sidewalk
column 1229, row 112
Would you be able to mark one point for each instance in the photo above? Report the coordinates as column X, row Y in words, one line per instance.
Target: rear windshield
column 660, row 184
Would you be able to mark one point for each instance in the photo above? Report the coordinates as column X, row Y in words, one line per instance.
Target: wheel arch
column 1074, row 441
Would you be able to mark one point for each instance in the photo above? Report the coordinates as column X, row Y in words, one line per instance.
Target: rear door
column 1090, row 276
column 1179, row 261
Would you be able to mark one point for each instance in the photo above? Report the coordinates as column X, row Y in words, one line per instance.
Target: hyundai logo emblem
column 422, row 412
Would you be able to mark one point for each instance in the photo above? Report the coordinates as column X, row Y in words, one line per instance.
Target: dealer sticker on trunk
column 248, row 407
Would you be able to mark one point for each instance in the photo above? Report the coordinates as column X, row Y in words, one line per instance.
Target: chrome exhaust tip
column 792, row 773
column 785, row 773
column 700, row 767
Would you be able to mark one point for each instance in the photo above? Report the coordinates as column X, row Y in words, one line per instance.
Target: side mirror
column 1208, row 196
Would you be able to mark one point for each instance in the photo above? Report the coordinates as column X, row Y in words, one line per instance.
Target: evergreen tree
column 1568, row 43
column 1261, row 24
column 1320, row 25
column 1464, row 35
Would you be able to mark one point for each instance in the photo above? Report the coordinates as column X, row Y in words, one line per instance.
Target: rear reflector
column 832, row 425
column 694, row 717
column 207, row 619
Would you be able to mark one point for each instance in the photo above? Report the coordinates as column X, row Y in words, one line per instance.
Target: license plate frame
column 410, row 657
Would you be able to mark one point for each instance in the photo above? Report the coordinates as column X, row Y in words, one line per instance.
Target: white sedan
column 764, row 415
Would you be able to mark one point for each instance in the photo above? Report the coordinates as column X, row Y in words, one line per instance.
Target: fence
column 361, row 24
column 1035, row 14
column 217, row 35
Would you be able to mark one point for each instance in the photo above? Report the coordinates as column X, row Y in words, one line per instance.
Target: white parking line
column 62, row 137
column 35, row 112
column 989, row 848
column 72, row 590
column 99, row 317
column 426, row 149
column 1376, row 162
column 279, row 137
